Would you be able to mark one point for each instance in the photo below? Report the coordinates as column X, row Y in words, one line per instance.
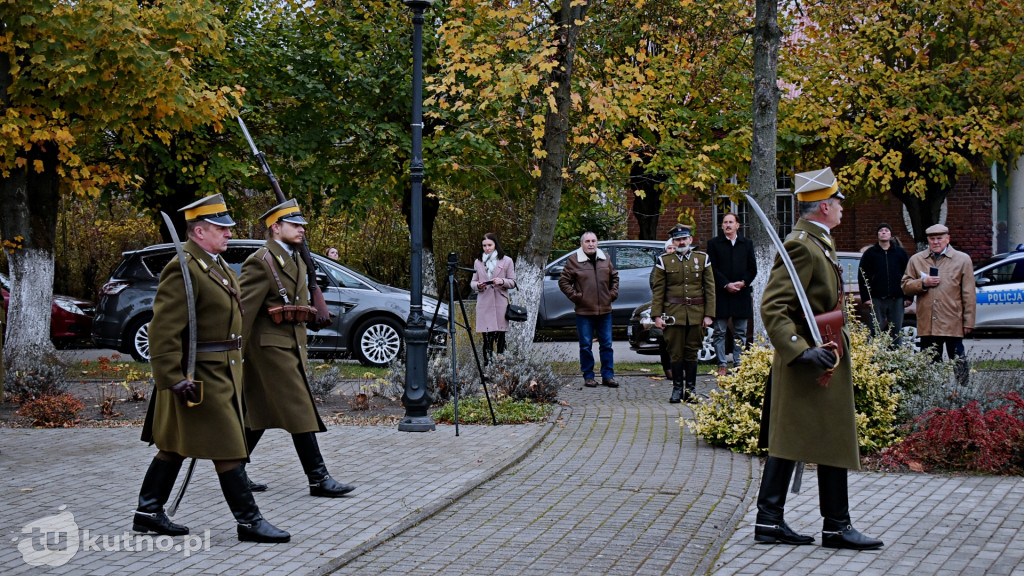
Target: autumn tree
column 78, row 80
column 906, row 97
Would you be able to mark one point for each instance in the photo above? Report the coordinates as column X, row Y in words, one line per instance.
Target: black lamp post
column 415, row 398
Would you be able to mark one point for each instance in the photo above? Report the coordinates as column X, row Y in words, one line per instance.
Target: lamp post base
column 417, row 424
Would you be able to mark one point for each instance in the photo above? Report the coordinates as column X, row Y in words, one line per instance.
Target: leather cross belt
column 686, row 301
column 219, row 345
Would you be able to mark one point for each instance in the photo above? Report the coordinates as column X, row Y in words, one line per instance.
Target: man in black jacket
column 881, row 271
column 735, row 267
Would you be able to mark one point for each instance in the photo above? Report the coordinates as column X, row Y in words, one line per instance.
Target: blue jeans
column 586, row 326
column 739, row 334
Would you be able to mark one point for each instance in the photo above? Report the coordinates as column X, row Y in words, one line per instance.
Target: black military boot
column 251, row 525
column 252, row 438
column 837, row 531
column 691, row 382
column 156, row 489
column 677, row 383
column 769, row 527
column 320, row 482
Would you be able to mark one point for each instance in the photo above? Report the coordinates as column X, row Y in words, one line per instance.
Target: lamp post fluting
column 416, row 398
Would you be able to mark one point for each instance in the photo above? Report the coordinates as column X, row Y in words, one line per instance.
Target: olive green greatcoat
column 807, row 422
column 213, row 429
column 683, row 278
column 277, row 394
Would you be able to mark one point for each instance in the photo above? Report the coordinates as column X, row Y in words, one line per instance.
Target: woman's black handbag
column 514, row 313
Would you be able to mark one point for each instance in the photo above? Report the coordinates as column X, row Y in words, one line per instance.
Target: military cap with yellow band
column 817, row 185
column 212, row 209
column 287, row 211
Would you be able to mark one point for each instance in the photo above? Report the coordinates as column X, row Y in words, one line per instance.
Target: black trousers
column 492, row 340
column 833, row 494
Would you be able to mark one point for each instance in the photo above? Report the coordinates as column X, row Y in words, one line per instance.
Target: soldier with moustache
column 199, row 416
column 275, row 294
column 684, row 288
column 807, row 418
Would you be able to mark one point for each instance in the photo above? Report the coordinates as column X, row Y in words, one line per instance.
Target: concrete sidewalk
column 614, row 486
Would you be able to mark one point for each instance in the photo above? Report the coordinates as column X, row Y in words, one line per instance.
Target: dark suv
column 369, row 317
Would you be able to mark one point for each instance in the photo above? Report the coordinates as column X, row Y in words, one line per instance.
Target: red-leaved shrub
column 52, row 410
column 962, row 439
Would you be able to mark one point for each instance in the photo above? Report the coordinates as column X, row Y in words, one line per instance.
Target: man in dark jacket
column 591, row 282
column 735, row 268
column 881, row 271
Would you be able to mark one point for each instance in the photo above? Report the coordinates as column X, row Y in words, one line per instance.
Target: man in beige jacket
column 942, row 278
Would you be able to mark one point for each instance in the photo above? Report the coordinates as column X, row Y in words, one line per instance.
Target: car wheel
column 378, row 341
column 137, row 337
column 909, row 334
column 707, row 354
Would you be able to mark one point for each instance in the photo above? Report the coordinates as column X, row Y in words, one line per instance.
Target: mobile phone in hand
column 933, row 271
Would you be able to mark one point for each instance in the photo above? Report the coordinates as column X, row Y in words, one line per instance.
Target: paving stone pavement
column 615, row 486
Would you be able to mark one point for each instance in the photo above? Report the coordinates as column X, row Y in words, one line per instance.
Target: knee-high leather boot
column 251, row 525
column 770, row 527
column 691, row 382
column 320, row 482
column 252, row 438
column 677, row 382
column 837, row 531
column 156, row 489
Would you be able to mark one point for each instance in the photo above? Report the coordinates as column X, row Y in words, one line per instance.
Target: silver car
column 369, row 317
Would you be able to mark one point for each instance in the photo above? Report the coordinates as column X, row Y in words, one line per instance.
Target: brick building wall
column 968, row 216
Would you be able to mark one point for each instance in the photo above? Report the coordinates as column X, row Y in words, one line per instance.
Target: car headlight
column 68, row 306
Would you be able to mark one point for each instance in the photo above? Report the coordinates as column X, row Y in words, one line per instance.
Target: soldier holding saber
column 196, row 346
column 809, row 413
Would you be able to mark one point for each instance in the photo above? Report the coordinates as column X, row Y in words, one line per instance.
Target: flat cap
column 936, row 230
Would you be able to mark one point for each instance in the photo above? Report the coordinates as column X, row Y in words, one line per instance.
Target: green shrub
column 731, row 415
column 46, row 380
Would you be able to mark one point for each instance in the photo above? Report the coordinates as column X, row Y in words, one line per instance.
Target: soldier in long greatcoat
column 684, row 289
column 199, row 415
column 275, row 294
column 806, row 419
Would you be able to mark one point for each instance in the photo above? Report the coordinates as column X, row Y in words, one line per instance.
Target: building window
column 785, row 213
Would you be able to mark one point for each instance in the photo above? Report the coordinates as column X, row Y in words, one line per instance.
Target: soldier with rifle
column 196, row 355
column 275, row 295
column 808, row 413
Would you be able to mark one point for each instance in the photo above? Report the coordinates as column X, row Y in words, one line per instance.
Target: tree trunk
column 29, row 202
column 534, row 255
column 762, row 159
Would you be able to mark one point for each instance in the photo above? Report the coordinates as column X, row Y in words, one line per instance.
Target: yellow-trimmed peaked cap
column 287, row 211
column 680, row 231
column 212, row 209
column 817, row 185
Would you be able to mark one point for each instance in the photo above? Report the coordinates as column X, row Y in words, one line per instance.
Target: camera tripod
column 453, row 293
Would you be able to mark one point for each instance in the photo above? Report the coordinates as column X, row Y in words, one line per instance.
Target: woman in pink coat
column 493, row 276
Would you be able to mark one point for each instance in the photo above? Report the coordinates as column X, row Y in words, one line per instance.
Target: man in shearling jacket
column 591, row 282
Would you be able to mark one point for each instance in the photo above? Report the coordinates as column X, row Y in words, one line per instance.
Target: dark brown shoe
column 590, row 383
column 609, row 382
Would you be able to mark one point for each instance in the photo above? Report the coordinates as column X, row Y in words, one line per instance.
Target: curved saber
column 190, row 354
column 801, row 294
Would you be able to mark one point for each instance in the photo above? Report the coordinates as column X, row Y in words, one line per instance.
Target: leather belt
column 686, row 301
column 219, row 345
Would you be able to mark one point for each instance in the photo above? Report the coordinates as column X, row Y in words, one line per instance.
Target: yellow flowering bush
column 731, row 415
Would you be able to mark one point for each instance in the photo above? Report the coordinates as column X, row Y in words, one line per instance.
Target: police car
column 1000, row 292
